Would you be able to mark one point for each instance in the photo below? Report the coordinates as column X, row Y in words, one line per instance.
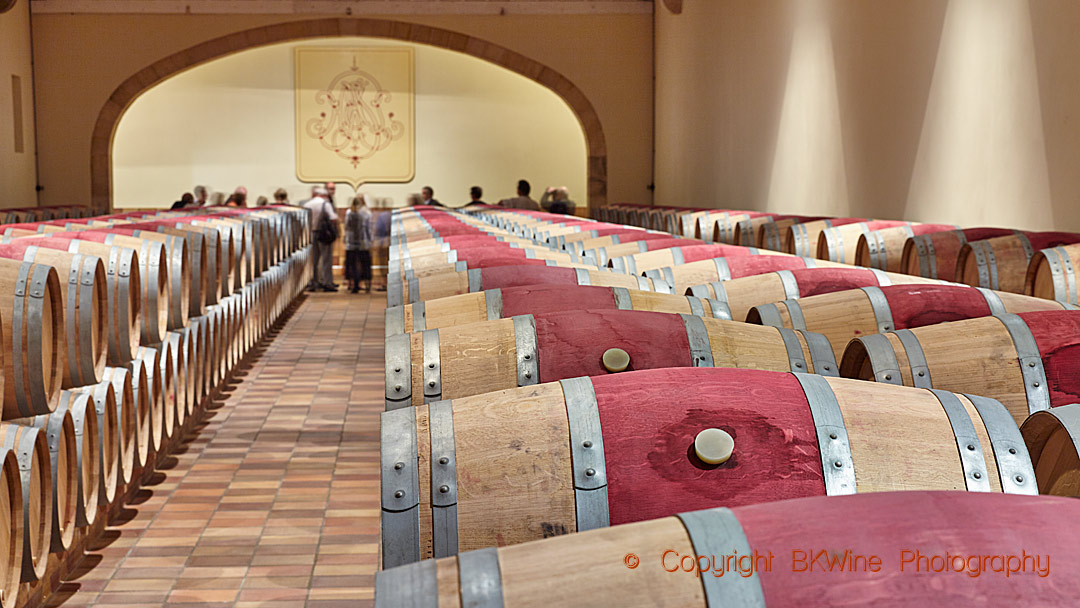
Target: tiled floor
column 274, row 503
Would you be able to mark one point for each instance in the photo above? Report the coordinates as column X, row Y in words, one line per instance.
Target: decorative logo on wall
column 354, row 114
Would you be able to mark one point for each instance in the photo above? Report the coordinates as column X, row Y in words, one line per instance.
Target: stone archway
column 148, row 77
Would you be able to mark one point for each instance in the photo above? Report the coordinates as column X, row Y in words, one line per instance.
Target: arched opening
column 111, row 114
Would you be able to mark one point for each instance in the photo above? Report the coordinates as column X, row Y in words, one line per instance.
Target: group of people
column 238, row 198
column 360, row 228
column 554, row 200
column 359, row 239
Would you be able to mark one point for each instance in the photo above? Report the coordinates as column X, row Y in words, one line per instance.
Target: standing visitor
column 522, row 200
column 358, row 242
column 324, row 231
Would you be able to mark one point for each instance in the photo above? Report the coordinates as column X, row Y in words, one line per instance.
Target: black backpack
column 327, row 230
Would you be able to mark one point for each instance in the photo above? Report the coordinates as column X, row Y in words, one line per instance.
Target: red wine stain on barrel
column 1062, row 367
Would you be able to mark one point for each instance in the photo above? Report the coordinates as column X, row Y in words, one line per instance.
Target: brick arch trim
column 145, row 79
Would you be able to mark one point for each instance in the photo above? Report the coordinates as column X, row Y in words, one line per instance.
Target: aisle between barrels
column 275, row 501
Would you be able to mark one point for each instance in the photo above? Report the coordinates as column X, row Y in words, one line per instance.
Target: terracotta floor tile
column 274, row 502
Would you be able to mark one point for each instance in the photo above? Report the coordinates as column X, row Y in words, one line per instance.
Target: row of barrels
column 37, row 214
column 93, row 400
column 80, row 295
column 551, row 420
column 1040, row 264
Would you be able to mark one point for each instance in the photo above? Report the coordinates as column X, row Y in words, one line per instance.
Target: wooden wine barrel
column 32, row 315
column 776, row 235
column 801, row 238
column 184, row 379
column 84, row 295
column 1051, row 274
column 197, row 337
column 498, row 303
column 150, row 358
column 236, row 250
column 1023, row 360
column 934, row 255
column 637, row 435
column 724, row 225
column 123, row 296
column 479, row 279
column 840, row 243
column 603, row 255
column 200, row 260
column 1053, row 440
column 950, row 558
column 208, row 246
column 35, row 471
column 104, row 400
column 485, row 256
column 11, row 530
column 59, row 432
column 153, row 276
column 88, row 454
column 641, row 263
column 691, row 274
column 845, row 315
column 179, row 262
column 1001, row 263
column 751, row 232
column 884, row 248
column 127, row 425
column 603, row 236
column 527, row 349
column 141, row 396
column 742, row 294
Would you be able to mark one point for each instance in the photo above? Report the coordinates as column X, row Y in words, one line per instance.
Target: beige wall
column 959, row 111
column 231, row 122
column 17, row 173
column 73, row 55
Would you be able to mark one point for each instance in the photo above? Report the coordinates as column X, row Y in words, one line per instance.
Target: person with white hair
column 557, row 200
column 324, row 231
column 200, row 196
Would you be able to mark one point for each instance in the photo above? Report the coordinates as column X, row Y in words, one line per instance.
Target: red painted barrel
column 934, row 255
column 1001, row 262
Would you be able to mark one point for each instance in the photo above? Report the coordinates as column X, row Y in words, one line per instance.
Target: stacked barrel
column 574, row 405
column 117, row 330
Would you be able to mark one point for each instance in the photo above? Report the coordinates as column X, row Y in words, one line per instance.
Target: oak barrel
column 31, row 448
column 688, row 275
column 84, row 295
column 34, row 356
column 845, row 315
column 802, row 238
column 926, row 547
column 88, row 454
column 499, row 303
column 1053, row 440
column 884, row 248
column 104, row 400
column 1026, row 360
column 123, row 297
column 639, row 263
column 528, row 349
column 534, row 481
column 1001, row 263
column 840, row 243
column 126, row 422
column 1051, row 274
column 12, row 529
column 479, row 279
column 150, row 358
column 63, row 458
column 141, row 395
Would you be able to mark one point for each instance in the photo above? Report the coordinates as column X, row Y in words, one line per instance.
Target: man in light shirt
column 322, row 278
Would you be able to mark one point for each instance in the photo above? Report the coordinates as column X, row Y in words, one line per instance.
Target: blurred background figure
column 217, row 199
column 281, row 197
column 324, row 231
column 476, row 194
column 200, row 196
column 428, row 195
column 522, row 200
column 187, row 200
column 358, row 243
column 262, row 201
column 557, row 200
